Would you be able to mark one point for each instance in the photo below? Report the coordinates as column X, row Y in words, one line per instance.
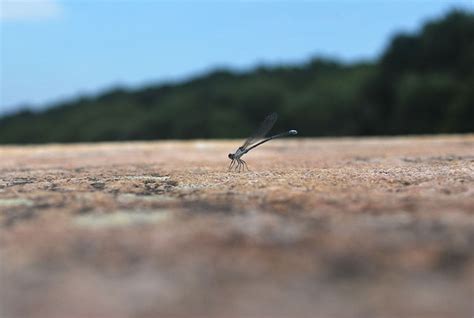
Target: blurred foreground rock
column 377, row 227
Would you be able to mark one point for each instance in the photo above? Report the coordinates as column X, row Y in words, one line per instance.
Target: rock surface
column 376, row 227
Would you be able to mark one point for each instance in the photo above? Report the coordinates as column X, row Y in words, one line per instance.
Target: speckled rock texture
column 375, row 227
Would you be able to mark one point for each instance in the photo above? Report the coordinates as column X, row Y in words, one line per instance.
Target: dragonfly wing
column 262, row 130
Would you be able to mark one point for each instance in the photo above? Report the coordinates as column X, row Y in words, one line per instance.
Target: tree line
column 423, row 83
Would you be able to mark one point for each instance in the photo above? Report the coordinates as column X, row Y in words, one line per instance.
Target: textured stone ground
column 380, row 227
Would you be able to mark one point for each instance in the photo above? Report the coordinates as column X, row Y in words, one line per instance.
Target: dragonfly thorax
column 239, row 153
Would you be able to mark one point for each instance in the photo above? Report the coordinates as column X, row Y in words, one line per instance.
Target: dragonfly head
column 231, row 156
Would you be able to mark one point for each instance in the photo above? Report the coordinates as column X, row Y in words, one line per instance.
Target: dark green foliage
column 423, row 83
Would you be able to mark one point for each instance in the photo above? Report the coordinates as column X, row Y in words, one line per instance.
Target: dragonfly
column 255, row 140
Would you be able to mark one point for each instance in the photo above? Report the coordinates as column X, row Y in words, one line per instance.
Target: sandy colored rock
column 375, row 227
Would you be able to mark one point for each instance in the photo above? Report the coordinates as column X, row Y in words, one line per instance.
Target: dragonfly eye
column 231, row 156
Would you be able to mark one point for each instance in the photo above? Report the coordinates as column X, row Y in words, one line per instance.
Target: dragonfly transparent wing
column 262, row 130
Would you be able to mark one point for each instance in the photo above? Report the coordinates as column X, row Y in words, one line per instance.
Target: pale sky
column 53, row 50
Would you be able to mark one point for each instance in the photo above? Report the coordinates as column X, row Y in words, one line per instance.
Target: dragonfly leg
column 231, row 165
column 240, row 164
column 245, row 165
